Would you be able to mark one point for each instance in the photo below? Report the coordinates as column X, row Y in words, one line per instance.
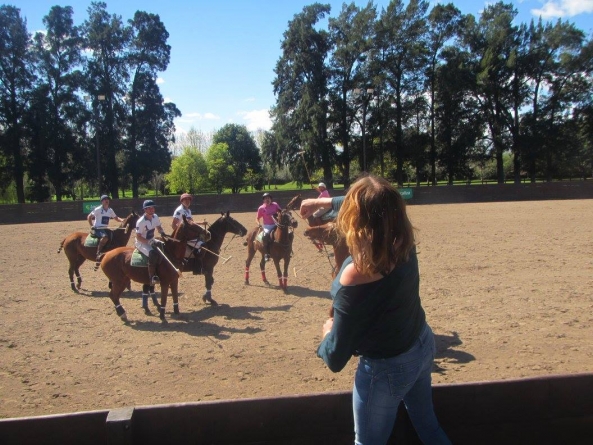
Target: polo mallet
column 219, row 256
column 168, row 261
column 302, row 153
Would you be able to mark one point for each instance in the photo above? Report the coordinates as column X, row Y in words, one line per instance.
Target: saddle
column 260, row 235
column 91, row 241
column 138, row 259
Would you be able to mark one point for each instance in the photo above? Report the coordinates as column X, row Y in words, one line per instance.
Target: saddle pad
column 260, row 237
column 91, row 241
column 138, row 259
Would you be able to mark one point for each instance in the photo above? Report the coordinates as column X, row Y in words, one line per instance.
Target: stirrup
column 267, row 257
column 155, row 279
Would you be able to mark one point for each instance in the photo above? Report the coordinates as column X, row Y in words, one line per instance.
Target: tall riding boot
column 102, row 243
column 267, row 242
column 152, row 276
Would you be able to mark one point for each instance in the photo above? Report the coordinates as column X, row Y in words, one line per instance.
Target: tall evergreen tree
column 16, row 77
column 300, row 86
column 57, row 111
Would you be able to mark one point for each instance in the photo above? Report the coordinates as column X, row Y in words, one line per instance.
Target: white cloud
column 160, row 80
column 191, row 117
column 250, row 99
column 257, row 119
column 563, row 8
column 167, row 100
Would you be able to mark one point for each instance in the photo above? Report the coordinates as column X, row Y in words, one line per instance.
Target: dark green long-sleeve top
column 377, row 320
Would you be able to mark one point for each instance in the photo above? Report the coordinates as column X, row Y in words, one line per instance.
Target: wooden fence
column 246, row 202
column 548, row 410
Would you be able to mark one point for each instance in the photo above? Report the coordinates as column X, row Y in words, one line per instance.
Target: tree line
column 408, row 93
column 432, row 95
column 80, row 105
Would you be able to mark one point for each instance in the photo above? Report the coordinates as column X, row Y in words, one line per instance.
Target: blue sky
column 224, row 51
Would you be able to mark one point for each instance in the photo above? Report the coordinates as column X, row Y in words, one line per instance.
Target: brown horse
column 77, row 252
column 280, row 247
column 116, row 265
column 326, row 234
column 209, row 254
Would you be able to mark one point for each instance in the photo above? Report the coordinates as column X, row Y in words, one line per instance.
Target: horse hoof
column 176, row 311
column 124, row 317
column 146, row 310
column 162, row 313
column 247, row 282
column 74, row 288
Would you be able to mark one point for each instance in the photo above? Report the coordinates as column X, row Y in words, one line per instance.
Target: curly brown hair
column 375, row 225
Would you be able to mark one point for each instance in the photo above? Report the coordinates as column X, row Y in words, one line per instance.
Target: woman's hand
column 327, row 326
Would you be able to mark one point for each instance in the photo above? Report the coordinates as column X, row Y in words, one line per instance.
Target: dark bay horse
column 210, row 252
column 280, row 247
column 77, row 252
column 117, row 266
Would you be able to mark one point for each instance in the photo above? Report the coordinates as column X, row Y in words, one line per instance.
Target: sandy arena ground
column 507, row 288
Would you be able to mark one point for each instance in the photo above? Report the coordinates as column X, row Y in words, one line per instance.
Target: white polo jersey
column 102, row 216
column 180, row 211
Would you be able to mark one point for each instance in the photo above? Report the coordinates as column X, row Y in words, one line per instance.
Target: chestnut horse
column 77, row 252
column 209, row 255
column 327, row 234
column 280, row 247
column 116, row 265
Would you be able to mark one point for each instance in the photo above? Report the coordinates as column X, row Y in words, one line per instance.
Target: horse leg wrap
column 119, row 310
column 284, row 284
column 176, row 308
column 73, row 286
column 263, row 275
column 162, row 312
column 280, row 281
column 246, row 275
column 145, row 301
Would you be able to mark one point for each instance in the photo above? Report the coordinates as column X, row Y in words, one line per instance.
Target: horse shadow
column 445, row 345
column 196, row 323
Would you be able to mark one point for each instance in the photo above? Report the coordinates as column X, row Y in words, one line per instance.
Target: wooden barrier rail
column 248, row 202
column 543, row 410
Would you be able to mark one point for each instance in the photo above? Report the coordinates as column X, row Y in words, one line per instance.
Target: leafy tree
column 352, row 34
column 444, row 23
column 401, row 35
column 189, row 172
column 300, row 113
column 459, row 123
column 57, row 113
column 242, row 150
column 221, row 169
column 491, row 42
column 16, row 77
column 106, row 37
column 148, row 54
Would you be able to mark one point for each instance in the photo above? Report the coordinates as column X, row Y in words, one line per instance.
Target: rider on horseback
column 145, row 240
column 185, row 199
column 99, row 220
column 265, row 219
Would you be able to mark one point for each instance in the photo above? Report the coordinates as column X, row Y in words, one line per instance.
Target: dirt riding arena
column 507, row 287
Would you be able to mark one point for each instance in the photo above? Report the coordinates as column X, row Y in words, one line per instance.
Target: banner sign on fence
column 87, row 206
column 407, row 193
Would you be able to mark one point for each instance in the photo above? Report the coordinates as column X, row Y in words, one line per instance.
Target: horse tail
column 61, row 245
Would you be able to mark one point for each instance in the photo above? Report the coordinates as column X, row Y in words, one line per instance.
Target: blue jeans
column 381, row 384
